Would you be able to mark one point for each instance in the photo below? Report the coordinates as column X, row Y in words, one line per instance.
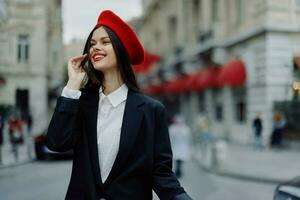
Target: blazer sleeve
column 165, row 183
column 65, row 125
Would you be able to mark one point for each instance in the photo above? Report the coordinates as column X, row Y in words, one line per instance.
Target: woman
column 119, row 136
column 180, row 135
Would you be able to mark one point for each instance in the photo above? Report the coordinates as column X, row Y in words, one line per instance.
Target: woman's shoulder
column 150, row 101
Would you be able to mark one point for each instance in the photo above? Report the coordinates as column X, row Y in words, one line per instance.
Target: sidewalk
column 244, row 162
column 8, row 158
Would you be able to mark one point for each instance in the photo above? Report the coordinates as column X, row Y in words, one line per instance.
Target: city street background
column 227, row 71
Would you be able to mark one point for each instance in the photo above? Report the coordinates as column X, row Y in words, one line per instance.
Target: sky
column 80, row 16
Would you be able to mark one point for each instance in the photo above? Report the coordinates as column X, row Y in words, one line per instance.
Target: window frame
column 23, row 48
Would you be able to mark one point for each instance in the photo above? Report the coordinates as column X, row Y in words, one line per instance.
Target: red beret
column 125, row 33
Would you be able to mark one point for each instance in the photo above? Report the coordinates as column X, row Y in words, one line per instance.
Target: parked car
column 288, row 191
column 42, row 152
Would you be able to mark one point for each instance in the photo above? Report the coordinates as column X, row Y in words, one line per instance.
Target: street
column 48, row 180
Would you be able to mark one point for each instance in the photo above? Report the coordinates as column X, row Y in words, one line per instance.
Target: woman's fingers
column 75, row 71
column 76, row 61
column 78, row 58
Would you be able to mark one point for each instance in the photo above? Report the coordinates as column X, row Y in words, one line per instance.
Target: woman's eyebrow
column 102, row 38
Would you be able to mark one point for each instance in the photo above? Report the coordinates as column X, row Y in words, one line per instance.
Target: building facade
column 263, row 34
column 31, row 56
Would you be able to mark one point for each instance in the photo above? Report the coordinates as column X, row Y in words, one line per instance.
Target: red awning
column 154, row 89
column 190, row 82
column 200, row 80
column 175, row 86
column 233, row 73
column 171, row 86
column 208, row 78
column 149, row 60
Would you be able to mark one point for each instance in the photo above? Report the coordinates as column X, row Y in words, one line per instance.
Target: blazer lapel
column 132, row 117
column 91, row 102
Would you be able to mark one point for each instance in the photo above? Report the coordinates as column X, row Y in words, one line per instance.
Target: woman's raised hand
column 75, row 72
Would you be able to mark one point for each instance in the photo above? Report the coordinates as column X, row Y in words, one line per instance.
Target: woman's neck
column 112, row 81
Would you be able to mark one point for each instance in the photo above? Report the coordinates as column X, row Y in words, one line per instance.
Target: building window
column 214, row 12
column 196, row 12
column 239, row 96
column 219, row 112
column 157, row 38
column 23, row 48
column 240, row 11
column 240, row 111
column 201, row 99
column 217, row 99
column 173, row 30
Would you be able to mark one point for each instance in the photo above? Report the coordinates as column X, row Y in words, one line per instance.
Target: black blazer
column 144, row 160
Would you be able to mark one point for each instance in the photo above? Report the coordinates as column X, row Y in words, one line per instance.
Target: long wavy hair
column 94, row 78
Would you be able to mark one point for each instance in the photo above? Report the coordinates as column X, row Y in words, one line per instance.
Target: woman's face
column 101, row 51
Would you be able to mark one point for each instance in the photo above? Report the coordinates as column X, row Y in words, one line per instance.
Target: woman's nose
column 97, row 47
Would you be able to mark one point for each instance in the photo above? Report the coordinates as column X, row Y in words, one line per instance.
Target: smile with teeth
column 97, row 57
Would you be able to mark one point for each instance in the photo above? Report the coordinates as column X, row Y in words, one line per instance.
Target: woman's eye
column 106, row 42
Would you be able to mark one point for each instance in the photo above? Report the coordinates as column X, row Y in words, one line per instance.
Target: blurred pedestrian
column 205, row 134
column 180, row 135
column 206, row 139
column 278, row 127
column 1, row 135
column 119, row 136
column 15, row 128
column 258, row 127
column 28, row 138
column 29, row 122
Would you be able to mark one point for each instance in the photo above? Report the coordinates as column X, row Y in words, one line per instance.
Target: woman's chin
column 100, row 66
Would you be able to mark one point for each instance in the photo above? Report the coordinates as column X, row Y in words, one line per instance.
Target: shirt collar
column 117, row 96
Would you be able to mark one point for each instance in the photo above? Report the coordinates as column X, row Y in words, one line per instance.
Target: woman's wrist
column 74, row 85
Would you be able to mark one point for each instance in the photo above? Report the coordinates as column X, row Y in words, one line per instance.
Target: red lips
column 98, row 56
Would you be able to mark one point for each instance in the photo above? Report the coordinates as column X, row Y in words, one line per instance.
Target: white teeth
column 98, row 56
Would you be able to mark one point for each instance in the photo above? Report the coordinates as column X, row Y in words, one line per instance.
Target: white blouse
column 109, row 121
